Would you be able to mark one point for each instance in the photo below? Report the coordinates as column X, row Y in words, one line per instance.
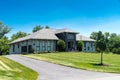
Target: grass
column 82, row 60
column 10, row 70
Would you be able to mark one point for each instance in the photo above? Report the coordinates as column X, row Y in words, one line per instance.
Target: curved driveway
column 50, row 71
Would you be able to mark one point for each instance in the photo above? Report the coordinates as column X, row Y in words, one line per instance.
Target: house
column 46, row 40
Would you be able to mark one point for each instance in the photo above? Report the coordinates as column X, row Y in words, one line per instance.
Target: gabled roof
column 65, row 30
column 83, row 38
column 48, row 34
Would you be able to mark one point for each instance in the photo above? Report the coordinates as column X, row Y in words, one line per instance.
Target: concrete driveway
column 50, row 71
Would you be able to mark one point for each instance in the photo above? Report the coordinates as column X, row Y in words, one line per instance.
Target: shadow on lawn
column 98, row 64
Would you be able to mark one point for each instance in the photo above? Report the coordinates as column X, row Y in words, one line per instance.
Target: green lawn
column 82, row 60
column 10, row 70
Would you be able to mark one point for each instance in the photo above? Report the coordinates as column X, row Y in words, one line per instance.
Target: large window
column 18, row 45
column 49, row 46
column 88, row 48
column 43, row 45
column 38, row 48
column 70, row 36
column 13, row 48
column 84, row 44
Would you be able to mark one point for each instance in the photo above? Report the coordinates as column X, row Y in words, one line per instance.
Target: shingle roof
column 49, row 34
column 83, row 38
column 41, row 34
column 65, row 30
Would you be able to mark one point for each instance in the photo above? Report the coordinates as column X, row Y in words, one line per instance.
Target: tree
column 18, row 35
column 38, row 27
column 4, row 47
column 4, row 30
column 94, row 35
column 100, row 42
column 47, row 27
column 80, row 45
column 106, row 37
column 113, row 35
column 102, row 47
column 61, row 45
column 114, row 41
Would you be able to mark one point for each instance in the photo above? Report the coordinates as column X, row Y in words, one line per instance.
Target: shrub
column 24, row 53
column 32, row 50
column 61, row 45
column 116, row 50
column 80, row 45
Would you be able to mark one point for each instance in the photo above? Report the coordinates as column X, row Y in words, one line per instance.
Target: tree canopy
column 102, row 41
column 4, row 30
column 36, row 28
column 111, row 41
column 47, row 27
column 18, row 35
column 4, row 47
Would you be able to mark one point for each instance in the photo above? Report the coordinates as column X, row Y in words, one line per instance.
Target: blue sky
column 83, row 16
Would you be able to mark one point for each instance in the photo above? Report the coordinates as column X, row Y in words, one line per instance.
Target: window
column 91, row 44
column 70, row 36
column 84, row 44
column 13, row 48
column 38, row 48
column 43, row 48
column 49, row 45
column 18, row 45
column 43, row 45
column 88, row 48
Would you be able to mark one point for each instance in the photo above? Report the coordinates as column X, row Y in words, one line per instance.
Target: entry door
column 30, row 49
column 24, row 49
column 70, row 45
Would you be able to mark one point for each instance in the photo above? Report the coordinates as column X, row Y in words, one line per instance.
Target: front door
column 70, row 45
column 29, row 49
column 24, row 49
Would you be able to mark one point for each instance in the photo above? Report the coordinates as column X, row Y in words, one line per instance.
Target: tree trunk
column 101, row 58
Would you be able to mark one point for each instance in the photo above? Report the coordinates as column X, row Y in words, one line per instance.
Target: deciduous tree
column 18, row 35
column 38, row 27
column 4, row 30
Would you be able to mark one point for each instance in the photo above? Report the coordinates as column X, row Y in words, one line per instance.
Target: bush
column 61, row 45
column 116, row 50
column 32, row 50
column 80, row 45
column 24, row 53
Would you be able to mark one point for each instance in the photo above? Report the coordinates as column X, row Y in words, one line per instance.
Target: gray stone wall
column 37, row 45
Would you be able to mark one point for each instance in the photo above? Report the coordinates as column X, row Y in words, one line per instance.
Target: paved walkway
column 50, row 71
